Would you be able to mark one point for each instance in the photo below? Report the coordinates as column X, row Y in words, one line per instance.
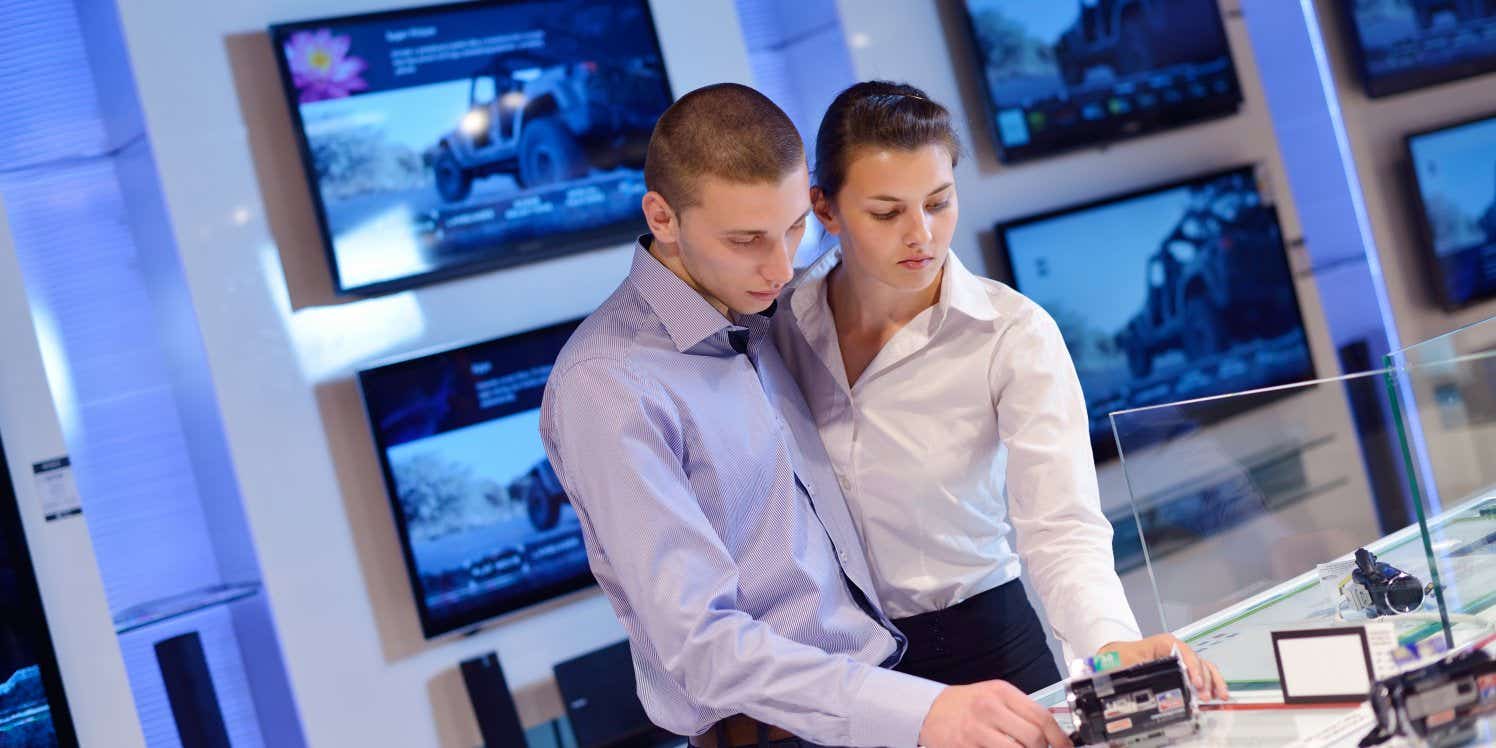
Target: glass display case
column 1251, row 510
column 1444, row 390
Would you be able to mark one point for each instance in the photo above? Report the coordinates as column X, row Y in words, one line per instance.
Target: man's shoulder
column 612, row 337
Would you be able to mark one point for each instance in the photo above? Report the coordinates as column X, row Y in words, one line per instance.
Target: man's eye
column 744, row 242
column 937, row 207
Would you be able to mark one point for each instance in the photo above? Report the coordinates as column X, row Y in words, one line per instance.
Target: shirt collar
column 687, row 316
column 964, row 292
column 960, row 289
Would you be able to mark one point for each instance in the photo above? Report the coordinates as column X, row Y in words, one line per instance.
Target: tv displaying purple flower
column 321, row 67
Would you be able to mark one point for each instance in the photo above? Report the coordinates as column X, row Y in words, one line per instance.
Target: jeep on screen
column 1129, row 37
column 1212, row 283
column 544, row 123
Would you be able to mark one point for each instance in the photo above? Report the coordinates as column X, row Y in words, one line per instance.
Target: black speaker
column 602, row 701
column 189, row 688
column 498, row 720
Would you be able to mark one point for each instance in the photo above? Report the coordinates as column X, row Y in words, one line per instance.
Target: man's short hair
column 725, row 130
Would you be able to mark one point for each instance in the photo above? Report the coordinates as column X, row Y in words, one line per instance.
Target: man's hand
column 990, row 714
column 1209, row 684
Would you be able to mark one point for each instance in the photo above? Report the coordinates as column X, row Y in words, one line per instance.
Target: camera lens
column 1404, row 594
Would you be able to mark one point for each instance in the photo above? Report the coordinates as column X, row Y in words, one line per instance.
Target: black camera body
column 1383, row 588
column 1437, row 702
column 1152, row 703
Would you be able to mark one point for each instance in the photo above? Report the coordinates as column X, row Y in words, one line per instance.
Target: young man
column 713, row 521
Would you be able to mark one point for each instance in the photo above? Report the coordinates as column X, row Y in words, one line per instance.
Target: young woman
column 952, row 414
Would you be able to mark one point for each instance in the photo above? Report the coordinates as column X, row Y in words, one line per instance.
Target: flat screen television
column 445, row 140
column 33, row 708
column 1063, row 74
column 1406, row 44
column 1454, row 170
column 483, row 522
column 1173, row 293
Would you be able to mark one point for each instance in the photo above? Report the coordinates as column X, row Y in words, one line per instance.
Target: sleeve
column 616, row 441
column 1054, row 504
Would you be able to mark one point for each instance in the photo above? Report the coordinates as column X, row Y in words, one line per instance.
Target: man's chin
column 752, row 304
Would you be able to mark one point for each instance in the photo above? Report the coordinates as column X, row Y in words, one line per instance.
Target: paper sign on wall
column 55, row 486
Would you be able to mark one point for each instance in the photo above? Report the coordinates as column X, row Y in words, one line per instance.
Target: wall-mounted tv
column 1064, row 74
column 1454, row 169
column 483, row 521
column 1173, row 293
column 445, row 140
column 33, row 708
column 1407, row 44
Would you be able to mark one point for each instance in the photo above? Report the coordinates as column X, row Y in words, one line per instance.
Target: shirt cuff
column 1106, row 631
column 891, row 707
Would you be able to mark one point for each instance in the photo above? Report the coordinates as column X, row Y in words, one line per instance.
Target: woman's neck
column 860, row 303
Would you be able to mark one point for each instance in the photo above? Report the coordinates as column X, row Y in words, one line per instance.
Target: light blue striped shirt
column 715, row 525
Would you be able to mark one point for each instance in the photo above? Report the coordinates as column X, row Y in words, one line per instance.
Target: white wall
column 281, row 350
column 88, row 654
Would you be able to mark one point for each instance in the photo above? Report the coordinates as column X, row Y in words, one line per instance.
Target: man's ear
column 661, row 218
column 821, row 204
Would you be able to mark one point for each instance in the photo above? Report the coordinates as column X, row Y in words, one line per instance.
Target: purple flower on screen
column 321, row 67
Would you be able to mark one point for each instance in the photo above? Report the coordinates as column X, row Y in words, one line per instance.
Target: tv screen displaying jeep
column 33, row 708
column 445, row 140
column 1064, row 74
column 483, row 522
column 1407, row 44
column 1455, row 172
column 1174, row 293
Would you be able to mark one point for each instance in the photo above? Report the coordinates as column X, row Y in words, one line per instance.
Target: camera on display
column 1381, row 589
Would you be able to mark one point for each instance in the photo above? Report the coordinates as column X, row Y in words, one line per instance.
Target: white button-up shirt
column 967, row 425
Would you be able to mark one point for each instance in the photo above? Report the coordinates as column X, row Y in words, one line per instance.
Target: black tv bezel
column 1377, row 87
column 477, row 619
column 1121, row 133
column 491, row 258
column 1106, row 449
column 1430, row 254
column 28, row 589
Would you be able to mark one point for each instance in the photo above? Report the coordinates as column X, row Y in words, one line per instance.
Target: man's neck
column 669, row 255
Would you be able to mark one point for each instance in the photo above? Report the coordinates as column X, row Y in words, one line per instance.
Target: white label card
column 55, row 486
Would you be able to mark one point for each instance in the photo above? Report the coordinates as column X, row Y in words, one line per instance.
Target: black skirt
column 992, row 635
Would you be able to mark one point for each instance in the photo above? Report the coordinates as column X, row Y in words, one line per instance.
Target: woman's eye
column 889, row 216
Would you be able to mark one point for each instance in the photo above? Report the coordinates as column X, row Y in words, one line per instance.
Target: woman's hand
column 1209, row 684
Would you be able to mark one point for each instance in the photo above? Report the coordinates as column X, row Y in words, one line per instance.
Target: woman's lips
column 916, row 263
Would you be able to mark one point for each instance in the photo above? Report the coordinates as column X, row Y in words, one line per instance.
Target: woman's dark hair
column 878, row 114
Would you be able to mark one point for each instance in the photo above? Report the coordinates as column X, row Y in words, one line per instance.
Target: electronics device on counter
column 484, row 524
column 1401, row 45
column 1381, row 589
column 493, row 706
column 1454, row 198
column 444, row 140
column 1436, row 703
column 1172, row 293
column 1067, row 74
column 1151, row 703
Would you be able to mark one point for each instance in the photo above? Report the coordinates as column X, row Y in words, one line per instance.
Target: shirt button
column 842, row 555
column 845, row 484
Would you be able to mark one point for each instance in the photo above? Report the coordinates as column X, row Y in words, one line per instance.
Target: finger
column 1222, row 691
column 988, row 736
column 1053, row 735
column 1192, row 664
